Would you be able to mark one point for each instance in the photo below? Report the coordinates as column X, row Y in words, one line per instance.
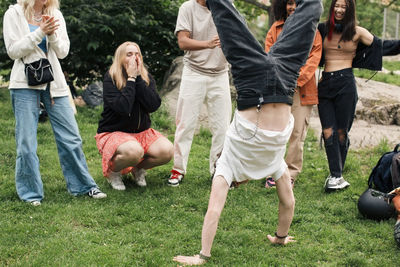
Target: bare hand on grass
column 189, row 260
column 281, row 241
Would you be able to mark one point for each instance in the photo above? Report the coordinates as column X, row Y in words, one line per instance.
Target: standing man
column 204, row 79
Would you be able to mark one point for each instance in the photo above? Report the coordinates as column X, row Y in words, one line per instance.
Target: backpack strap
column 396, row 148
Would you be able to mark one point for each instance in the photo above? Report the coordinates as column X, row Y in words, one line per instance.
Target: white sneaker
column 96, row 193
column 35, row 203
column 335, row 183
column 139, row 176
column 115, row 179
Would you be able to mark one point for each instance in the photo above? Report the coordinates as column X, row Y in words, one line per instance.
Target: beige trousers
column 195, row 90
column 294, row 154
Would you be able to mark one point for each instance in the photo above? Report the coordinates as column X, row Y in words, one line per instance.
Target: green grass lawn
column 148, row 226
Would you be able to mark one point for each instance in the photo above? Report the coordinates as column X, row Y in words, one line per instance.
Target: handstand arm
column 286, row 210
column 219, row 192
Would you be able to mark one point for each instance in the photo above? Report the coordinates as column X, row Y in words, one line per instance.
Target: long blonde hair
column 48, row 9
column 117, row 70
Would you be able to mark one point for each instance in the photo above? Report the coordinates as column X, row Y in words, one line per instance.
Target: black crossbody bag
column 39, row 72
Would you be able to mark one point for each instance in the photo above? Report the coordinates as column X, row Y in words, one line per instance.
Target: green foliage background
column 97, row 27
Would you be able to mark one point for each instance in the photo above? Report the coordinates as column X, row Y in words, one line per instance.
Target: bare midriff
column 271, row 117
column 335, row 65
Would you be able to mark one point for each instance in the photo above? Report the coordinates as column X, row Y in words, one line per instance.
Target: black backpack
column 385, row 176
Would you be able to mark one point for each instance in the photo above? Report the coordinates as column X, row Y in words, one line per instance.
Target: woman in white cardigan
column 35, row 29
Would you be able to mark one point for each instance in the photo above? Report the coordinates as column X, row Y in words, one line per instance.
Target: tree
column 253, row 10
column 97, row 27
column 369, row 15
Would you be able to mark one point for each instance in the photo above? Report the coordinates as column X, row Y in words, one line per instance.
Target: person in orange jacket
column 306, row 93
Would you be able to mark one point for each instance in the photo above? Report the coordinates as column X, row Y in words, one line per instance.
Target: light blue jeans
column 25, row 103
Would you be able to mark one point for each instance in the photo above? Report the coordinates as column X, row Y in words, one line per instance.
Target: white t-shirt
column 197, row 20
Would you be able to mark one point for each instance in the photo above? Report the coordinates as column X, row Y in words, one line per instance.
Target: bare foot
column 189, row 260
column 282, row 241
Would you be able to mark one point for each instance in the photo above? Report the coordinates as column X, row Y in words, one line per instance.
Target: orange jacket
column 306, row 81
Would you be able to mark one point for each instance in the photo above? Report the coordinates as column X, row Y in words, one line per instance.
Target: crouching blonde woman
column 124, row 137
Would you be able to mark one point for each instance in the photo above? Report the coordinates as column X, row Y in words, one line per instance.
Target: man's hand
column 214, row 42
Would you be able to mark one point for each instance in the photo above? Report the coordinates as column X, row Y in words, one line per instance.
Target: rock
column 172, row 78
column 170, row 91
column 380, row 114
column 378, row 102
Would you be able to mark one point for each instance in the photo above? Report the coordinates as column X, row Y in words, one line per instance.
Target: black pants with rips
column 337, row 96
column 261, row 77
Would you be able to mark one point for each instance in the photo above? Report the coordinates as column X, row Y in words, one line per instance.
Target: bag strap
column 47, row 57
column 396, row 148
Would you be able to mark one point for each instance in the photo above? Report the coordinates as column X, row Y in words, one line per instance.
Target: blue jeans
column 25, row 103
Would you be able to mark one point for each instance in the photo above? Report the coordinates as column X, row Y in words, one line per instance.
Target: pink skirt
column 108, row 143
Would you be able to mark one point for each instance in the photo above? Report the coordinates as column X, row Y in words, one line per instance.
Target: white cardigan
column 23, row 44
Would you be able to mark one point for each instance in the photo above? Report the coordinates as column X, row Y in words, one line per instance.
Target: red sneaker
column 175, row 178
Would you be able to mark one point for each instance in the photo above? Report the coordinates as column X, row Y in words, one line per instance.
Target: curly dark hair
column 279, row 9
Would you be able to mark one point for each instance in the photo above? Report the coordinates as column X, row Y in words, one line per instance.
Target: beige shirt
column 335, row 50
column 197, row 20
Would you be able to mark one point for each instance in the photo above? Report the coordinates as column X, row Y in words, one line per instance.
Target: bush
column 97, row 27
